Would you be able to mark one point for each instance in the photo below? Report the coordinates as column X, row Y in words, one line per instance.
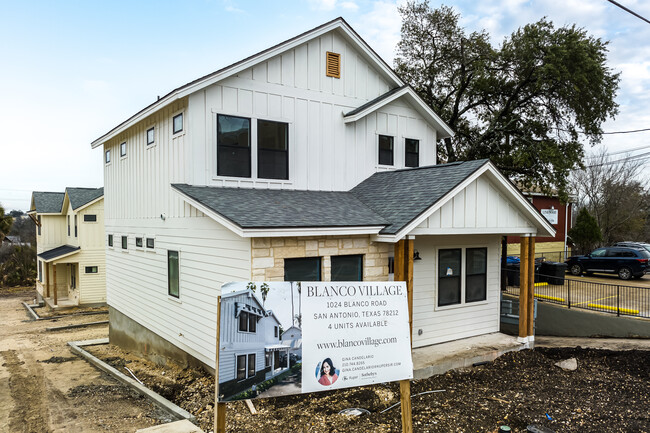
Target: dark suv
column 626, row 262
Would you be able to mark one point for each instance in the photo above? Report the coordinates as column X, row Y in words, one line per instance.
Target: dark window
column 73, row 277
column 40, row 271
column 108, row 156
column 252, row 323
column 475, row 274
column 68, row 225
column 449, row 273
column 177, row 122
column 272, row 150
column 39, row 224
column 303, row 269
column 412, row 152
column 150, row 136
column 172, row 273
column 386, row 150
column 267, row 359
column 391, row 265
column 125, row 242
column 233, row 146
column 123, row 149
column 150, row 243
column 275, row 331
column 75, row 226
column 251, row 365
column 110, row 240
column 90, row 218
column 241, row 367
column 138, row 242
column 91, row 269
column 347, row 268
column 243, row 322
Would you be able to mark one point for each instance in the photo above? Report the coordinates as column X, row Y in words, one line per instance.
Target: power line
column 639, row 158
column 627, row 132
column 629, row 10
column 620, row 152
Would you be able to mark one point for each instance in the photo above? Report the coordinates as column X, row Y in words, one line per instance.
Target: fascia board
column 245, row 64
column 443, row 128
column 311, row 231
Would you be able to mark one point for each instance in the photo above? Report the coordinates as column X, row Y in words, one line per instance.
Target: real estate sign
column 361, row 329
column 280, row 338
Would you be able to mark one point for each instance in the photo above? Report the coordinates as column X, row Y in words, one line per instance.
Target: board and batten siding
column 209, row 255
column 53, row 231
column 478, row 208
column 442, row 324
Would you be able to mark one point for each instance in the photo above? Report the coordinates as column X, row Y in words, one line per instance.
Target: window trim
column 89, row 215
column 176, row 115
column 109, row 240
column 463, row 261
column 107, row 157
column 248, row 322
column 142, row 242
column 124, row 242
column 123, row 150
column 91, row 269
column 419, row 153
column 178, row 276
column 246, row 356
column 153, row 133
column 392, row 136
column 146, row 243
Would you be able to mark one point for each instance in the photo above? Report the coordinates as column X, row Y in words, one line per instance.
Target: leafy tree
column 19, row 267
column 524, row 104
column 585, row 234
column 24, row 228
column 5, row 224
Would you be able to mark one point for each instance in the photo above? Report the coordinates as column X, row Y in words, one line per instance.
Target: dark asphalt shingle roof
column 391, row 199
column 81, row 196
column 264, row 208
column 400, row 196
column 48, row 202
column 58, row 252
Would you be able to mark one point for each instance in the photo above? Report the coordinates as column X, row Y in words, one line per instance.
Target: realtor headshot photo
column 327, row 374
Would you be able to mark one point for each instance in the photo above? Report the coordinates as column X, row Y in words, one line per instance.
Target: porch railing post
column 618, row 301
column 568, row 293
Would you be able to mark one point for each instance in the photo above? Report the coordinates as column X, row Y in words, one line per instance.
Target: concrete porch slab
column 183, row 426
column 440, row 358
column 61, row 304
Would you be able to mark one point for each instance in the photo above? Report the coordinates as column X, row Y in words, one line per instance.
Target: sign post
column 219, row 407
column 404, row 272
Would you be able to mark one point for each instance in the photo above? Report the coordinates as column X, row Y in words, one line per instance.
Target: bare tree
column 615, row 192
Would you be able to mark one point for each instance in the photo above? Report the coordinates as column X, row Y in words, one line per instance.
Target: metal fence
column 608, row 298
column 549, row 256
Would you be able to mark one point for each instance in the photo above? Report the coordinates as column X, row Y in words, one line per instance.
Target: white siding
column 453, row 322
column 478, row 208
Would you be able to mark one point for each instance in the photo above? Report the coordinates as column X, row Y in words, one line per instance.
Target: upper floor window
column 173, row 279
column 75, row 226
column 247, row 322
column 272, row 150
column 125, row 242
column 411, row 152
column 138, row 242
column 386, row 144
column 177, row 123
column 68, row 225
column 123, row 149
column 91, row 269
column 90, row 218
column 233, row 146
column 39, row 224
column 150, row 242
column 108, row 156
column 110, row 240
column 150, row 135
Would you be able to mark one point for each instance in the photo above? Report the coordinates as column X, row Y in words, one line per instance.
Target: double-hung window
column 272, row 150
column 411, row 152
column 386, row 145
column 247, row 322
column 245, row 366
column 462, row 276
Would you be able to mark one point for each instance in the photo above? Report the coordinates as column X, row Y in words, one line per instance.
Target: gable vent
column 333, row 65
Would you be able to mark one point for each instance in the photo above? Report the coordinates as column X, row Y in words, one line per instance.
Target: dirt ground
column 609, row 392
column 46, row 388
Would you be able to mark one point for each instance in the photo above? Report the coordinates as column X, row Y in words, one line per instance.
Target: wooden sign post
column 404, row 272
column 219, row 408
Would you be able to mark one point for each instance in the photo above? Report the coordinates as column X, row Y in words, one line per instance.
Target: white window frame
column 112, row 247
column 107, row 157
column 144, row 242
column 248, row 327
column 180, row 276
column 123, row 155
column 420, row 140
column 245, row 355
column 395, row 142
column 171, row 129
column 146, row 135
column 253, row 138
column 155, row 242
column 463, row 270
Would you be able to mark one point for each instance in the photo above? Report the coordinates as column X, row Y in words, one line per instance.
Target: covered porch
column 276, row 358
column 59, row 276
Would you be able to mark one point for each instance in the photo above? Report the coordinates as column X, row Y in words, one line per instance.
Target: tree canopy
column 6, row 222
column 526, row 104
column 586, row 233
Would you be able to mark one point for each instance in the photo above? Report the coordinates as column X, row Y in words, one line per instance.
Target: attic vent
column 333, row 66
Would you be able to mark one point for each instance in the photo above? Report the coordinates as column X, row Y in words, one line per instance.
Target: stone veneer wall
column 268, row 255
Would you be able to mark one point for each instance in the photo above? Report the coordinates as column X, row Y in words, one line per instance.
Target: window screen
column 449, row 273
column 233, row 146
column 347, row 268
column 475, row 274
column 272, row 150
column 302, row 269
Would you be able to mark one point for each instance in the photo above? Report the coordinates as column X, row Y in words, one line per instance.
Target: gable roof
column 207, row 80
column 81, row 196
column 47, row 202
column 407, row 93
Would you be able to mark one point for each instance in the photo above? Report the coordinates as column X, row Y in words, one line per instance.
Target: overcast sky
column 72, row 70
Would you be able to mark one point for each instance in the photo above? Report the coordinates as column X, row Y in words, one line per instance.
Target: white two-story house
column 307, row 161
column 70, row 246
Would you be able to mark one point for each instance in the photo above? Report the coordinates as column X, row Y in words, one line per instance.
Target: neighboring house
column 307, row 161
column 560, row 216
column 250, row 346
column 292, row 337
column 70, row 246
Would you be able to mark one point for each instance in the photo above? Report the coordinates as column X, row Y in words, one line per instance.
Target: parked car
column 624, row 261
column 637, row 245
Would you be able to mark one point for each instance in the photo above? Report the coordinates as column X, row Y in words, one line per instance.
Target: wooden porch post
column 523, row 287
column 47, row 280
column 531, row 289
column 55, row 289
column 404, row 272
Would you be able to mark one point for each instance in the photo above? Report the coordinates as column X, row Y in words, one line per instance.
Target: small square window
column 90, row 218
column 150, row 243
column 91, row 269
column 110, row 240
column 138, row 242
column 108, row 156
column 177, row 123
column 386, row 149
column 125, row 242
column 150, row 135
column 123, row 149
